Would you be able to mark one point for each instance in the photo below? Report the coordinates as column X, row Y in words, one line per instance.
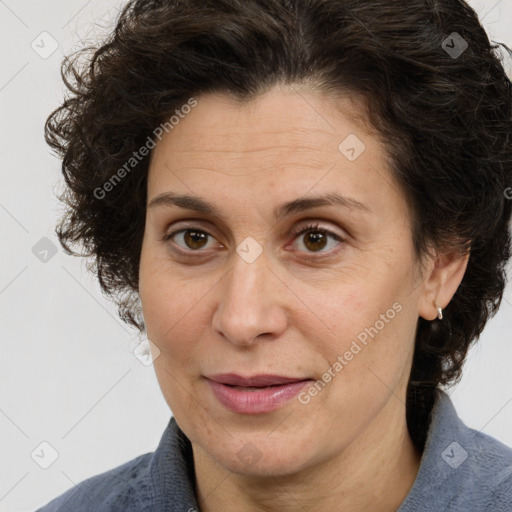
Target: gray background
column 68, row 375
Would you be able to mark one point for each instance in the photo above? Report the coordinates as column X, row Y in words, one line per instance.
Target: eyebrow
column 298, row 205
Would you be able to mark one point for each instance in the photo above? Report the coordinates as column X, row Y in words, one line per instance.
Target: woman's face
column 236, row 293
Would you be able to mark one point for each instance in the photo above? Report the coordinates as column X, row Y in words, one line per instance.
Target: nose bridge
column 245, row 278
column 248, row 304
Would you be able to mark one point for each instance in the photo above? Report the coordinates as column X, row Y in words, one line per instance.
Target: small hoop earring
column 439, row 313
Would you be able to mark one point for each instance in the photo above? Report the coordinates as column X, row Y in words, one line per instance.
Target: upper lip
column 232, row 379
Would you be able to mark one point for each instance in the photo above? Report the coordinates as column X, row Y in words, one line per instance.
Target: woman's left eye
column 315, row 239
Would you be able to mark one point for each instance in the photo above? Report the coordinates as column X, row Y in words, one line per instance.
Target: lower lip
column 257, row 401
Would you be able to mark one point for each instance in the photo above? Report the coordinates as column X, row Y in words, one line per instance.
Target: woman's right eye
column 189, row 239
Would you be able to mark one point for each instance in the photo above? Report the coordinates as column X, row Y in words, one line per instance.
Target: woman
column 303, row 206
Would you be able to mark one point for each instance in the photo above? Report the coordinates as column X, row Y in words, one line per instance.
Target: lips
column 258, row 381
column 254, row 394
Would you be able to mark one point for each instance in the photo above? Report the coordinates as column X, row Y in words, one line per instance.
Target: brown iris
column 315, row 240
column 195, row 239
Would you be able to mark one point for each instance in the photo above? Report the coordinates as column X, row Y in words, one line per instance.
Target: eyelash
column 315, row 228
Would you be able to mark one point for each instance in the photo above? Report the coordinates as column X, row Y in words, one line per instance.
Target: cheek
column 173, row 314
column 374, row 360
column 364, row 331
column 171, row 307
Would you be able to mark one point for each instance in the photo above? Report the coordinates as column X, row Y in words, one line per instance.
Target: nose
column 250, row 303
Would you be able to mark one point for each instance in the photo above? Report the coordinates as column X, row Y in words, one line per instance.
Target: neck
column 375, row 472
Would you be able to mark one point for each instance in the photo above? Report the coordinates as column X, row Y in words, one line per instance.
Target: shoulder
column 490, row 471
column 461, row 468
column 123, row 488
column 476, row 465
column 479, row 465
column 162, row 480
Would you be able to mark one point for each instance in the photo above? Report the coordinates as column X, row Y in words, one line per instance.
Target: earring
column 439, row 313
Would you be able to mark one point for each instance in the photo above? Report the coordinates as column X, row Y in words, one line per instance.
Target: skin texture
column 294, row 309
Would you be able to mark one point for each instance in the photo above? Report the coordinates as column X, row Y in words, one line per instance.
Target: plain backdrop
column 68, row 375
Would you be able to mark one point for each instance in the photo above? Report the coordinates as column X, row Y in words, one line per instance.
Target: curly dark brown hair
column 446, row 119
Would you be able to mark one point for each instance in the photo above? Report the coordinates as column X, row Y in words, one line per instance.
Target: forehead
column 283, row 118
column 284, row 141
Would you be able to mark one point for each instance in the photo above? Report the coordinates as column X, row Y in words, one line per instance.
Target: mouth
column 255, row 394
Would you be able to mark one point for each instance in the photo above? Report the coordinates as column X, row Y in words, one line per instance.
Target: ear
column 440, row 282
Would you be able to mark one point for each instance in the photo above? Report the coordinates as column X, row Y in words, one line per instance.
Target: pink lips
column 256, row 394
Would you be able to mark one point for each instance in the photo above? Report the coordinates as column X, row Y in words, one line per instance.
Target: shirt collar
column 172, row 472
column 444, row 467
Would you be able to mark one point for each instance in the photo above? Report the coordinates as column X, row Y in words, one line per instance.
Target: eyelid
column 185, row 225
column 314, row 226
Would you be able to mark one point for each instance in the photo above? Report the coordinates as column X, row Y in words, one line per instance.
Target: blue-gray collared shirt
column 461, row 470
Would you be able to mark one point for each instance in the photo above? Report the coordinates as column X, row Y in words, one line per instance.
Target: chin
column 260, row 456
column 265, row 464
